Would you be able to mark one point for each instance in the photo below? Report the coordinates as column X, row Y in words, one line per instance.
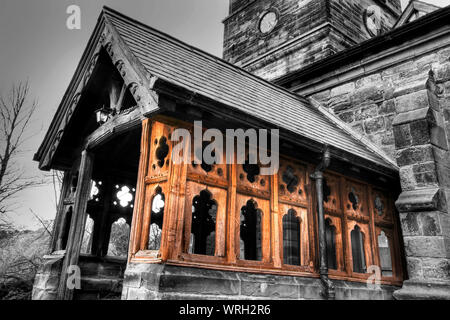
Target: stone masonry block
column 436, row 268
column 402, row 136
column 431, row 225
column 420, row 132
column 419, row 200
column 367, row 95
column 414, row 268
column 366, row 112
column 443, row 73
column 414, row 155
column 410, row 224
column 412, row 101
column 374, row 125
column 387, row 107
column 407, row 178
column 425, row 246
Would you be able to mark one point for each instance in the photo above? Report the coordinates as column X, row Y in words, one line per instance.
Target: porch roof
column 203, row 74
column 188, row 67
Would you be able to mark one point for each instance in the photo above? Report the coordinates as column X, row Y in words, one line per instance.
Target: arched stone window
column 291, row 238
column 118, row 240
column 156, row 220
column 330, row 234
column 250, row 232
column 358, row 254
column 203, row 227
column 385, row 255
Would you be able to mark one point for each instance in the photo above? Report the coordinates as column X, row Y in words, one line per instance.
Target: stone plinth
column 161, row 281
column 47, row 278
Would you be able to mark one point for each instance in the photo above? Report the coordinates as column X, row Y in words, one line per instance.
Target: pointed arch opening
column 118, row 241
column 358, row 253
column 203, row 226
column 330, row 236
column 156, row 219
column 385, row 255
column 291, row 238
column 250, row 232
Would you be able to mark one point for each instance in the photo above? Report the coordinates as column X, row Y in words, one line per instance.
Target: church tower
column 274, row 37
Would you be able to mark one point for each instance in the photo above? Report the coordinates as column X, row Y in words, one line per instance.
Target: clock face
column 268, row 22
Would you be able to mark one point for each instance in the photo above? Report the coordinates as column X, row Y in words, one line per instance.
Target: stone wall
column 404, row 109
column 369, row 104
column 307, row 31
column 243, row 40
column 159, row 281
column 304, row 52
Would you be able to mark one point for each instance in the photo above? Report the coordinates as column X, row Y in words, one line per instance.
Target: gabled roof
column 415, row 9
column 170, row 60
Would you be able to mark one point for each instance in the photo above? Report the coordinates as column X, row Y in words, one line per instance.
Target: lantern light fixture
column 102, row 115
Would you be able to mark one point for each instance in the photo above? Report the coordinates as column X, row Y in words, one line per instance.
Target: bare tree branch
column 15, row 116
column 41, row 222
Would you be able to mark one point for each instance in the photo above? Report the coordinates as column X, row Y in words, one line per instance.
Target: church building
column 355, row 97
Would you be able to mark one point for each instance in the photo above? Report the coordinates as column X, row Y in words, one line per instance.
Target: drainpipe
column 328, row 287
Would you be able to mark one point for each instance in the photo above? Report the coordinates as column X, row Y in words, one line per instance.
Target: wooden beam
column 275, row 221
column 114, row 127
column 77, row 224
column 139, row 201
column 231, row 221
column 59, row 220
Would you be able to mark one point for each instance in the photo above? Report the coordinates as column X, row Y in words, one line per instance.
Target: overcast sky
column 36, row 45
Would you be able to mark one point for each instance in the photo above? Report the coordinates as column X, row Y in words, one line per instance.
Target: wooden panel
column 275, row 196
column 301, row 213
column 291, row 182
column 161, row 150
column 332, row 201
column 220, row 197
column 337, row 223
column 367, row 243
column 150, row 193
column 382, row 206
column 395, row 257
column 259, row 187
column 355, row 199
column 215, row 174
column 264, row 206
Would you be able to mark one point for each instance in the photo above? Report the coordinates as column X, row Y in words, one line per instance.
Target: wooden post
column 59, row 221
column 347, row 252
column 231, row 220
column 276, row 256
column 140, row 189
column 77, row 224
column 175, row 206
column 100, row 245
